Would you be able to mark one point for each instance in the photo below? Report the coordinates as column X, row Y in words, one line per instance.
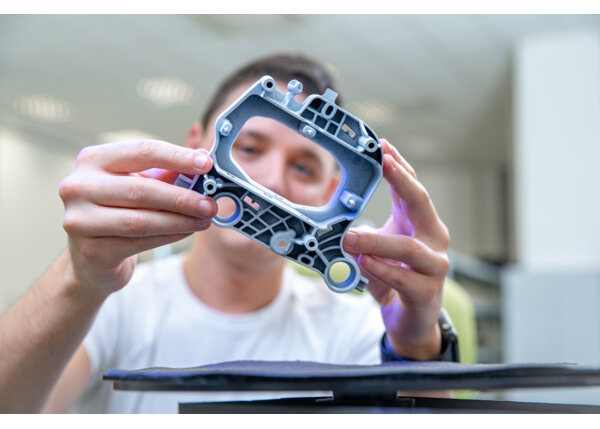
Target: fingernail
column 206, row 208
column 350, row 239
column 365, row 261
column 201, row 160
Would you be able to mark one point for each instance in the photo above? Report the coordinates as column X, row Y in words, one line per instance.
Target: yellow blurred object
column 457, row 303
column 461, row 310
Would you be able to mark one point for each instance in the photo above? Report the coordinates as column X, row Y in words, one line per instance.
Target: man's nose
column 272, row 174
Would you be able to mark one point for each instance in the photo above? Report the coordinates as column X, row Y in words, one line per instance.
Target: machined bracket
column 310, row 236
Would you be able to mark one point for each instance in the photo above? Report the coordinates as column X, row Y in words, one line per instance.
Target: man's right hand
column 113, row 210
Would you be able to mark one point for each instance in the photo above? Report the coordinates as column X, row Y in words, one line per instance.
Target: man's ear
column 194, row 137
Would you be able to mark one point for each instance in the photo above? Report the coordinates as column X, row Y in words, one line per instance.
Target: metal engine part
column 310, row 236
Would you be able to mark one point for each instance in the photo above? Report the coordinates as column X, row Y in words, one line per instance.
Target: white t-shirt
column 156, row 321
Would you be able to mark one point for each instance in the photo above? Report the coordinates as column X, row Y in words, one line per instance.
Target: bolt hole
column 268, row 85
column 340, row 272
column 227, row 208
column 311, row 244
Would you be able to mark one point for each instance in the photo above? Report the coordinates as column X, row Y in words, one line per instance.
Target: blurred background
column 498, row 114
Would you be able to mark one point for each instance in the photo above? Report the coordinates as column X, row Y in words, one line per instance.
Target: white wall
column 557, row 151
column 30, row 209
column 551, row 299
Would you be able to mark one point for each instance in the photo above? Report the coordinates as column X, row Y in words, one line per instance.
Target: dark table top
column 350, row 380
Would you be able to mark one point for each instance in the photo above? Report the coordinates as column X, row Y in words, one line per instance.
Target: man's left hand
column 406, row 262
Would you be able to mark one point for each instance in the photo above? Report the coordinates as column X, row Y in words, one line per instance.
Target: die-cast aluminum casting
column 310, row 236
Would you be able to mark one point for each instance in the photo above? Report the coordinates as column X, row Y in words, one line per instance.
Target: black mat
column 401, row 405
column 353, row 380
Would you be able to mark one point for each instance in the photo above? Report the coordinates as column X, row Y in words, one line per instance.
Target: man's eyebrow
column 254, row 134
column 309, row 153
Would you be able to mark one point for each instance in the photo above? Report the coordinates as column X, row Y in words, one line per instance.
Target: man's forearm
column 40, row 333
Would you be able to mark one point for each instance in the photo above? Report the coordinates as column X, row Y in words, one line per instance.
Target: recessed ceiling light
column 124, row 135
column 43, row 108
column 166, row 91
column 374, row 112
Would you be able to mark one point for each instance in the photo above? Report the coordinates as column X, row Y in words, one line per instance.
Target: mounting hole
column 228, row 209
column 311, row 243
column 328, row 111
column 268, row 84
column 210, row 187
column 342, row 275
column 339, row 272
column 371, row 146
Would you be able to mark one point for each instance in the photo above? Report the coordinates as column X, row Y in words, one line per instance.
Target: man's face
column 285, row 162
column 279, row 159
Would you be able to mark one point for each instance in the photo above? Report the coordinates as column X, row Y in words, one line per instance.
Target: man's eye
column 304, row 169
column 247, row 150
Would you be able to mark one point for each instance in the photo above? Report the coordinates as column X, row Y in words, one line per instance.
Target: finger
column 135, row 156
column 167, row 176
column 410, row 193
column 138, row 192
column 122, row 222
column 390, row 149
column 123, row 247
column 413, row 287
column 398, row 248
column 376, row 288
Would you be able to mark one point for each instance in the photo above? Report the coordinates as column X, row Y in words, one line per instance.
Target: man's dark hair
column 313, row 74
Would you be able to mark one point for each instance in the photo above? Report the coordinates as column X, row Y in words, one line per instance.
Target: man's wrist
column 446, row 346
column 423, row 349
column 76, row 288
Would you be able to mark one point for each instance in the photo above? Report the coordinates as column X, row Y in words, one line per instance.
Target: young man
column 228, row 298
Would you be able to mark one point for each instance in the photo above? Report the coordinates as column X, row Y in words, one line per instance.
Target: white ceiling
column 447, row 77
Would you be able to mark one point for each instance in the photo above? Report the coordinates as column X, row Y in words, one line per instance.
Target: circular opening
column 210, row 188
column 311, row 244
column 269, row 84
column 228, row 209
column 282, row 244
column 340, row 272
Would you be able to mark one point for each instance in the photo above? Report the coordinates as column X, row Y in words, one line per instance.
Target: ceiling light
column 374, row 112
column 43, row 108
column 124, row 135
column 166, row 91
